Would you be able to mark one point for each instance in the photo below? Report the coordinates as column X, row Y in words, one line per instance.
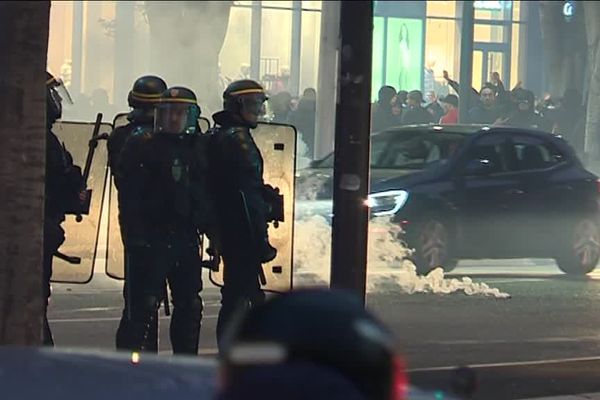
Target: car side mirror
column 479, row 167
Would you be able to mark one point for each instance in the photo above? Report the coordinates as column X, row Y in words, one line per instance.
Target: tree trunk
column 592, row 131
column 186, row 39
column 23, row 45
column 564, row 48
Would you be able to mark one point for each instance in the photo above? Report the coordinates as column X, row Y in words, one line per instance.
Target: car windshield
column 415, row 151
column 407, row 150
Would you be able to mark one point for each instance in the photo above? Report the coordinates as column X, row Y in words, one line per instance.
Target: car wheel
column 432, row 247
column 582, row 251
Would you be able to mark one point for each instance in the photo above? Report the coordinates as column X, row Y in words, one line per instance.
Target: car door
column 549, row 188
column 486, row 200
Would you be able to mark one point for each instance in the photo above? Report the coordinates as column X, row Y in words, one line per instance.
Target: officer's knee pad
column 192, row 304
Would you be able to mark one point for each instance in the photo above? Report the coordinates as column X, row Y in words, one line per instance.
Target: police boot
column 143, row 327
column 185, row 327
column 125, row 334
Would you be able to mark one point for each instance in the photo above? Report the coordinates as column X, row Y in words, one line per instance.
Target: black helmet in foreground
column 245, row 98
column 324, row 328
column 146, row 92
column 177, row 112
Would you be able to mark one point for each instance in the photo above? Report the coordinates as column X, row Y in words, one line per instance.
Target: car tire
column 581, row 252
column 432, row 247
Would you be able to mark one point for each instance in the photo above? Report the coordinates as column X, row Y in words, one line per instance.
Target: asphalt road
column 544, row 340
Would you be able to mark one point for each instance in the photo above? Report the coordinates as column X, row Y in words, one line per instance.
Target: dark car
column 473, row 192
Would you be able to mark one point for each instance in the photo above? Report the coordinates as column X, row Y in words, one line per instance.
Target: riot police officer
column 142, row 98
column 62, row 190
column 237, row 172
column 165, row 207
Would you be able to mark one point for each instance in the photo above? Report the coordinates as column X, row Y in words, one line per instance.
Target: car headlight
column 387, row 203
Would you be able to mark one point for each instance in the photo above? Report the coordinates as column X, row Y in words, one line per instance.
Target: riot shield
column 82, row 237
column 115, row 256
column 277, row 144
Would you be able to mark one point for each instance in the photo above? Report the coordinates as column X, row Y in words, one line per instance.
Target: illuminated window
column 517, row 10
column 312, row 5
column 477, row 79
column 488, row 33
column 377, row 61
column 235, row 53
column 309, row 56
column 493, row 10
column 514, row 56
column 276, row 46
column 440, row 50
column 277, row 4
column 404, row 53
column 441, row 8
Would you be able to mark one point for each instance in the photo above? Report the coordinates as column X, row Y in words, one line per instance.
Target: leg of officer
column 185, row 281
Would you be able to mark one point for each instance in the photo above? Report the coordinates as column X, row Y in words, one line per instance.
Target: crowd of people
column 299, row 112
column 493, row 105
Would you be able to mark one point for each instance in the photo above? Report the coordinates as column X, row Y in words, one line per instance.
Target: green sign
column 397, row 54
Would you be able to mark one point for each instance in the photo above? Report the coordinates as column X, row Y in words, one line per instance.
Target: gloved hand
column 267, row 252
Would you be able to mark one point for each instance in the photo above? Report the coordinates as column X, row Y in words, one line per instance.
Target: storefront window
column 276, row 42
column 312, row 5
column 377, row 73
column 309, row 59
column 493, row 10
column 404, row 53
column 440, row 51
column 277, row 4
column 514, row 55
column 235, row 54
column 441, row 9
column 516, row 10
column 477, row 79
column 488, row 33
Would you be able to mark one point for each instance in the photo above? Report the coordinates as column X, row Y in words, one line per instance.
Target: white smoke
column 388, row 266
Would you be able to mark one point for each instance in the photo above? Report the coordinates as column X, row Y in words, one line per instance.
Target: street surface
column 543, row 341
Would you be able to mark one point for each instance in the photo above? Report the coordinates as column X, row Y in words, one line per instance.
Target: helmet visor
column 254, row 103
column 176, row 118
column 57, row 85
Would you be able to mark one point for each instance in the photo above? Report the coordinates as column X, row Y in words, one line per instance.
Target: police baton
column 92, row 144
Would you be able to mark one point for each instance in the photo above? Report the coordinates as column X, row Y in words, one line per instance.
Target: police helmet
column 56, row 93
column 326, row 328
column 146, row 92
column 177, row 112
column 246, row 99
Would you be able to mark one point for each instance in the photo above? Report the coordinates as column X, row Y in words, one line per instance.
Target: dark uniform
column 524, row 115
column 237, row 172
column 142, row 98
column 164, row 208
column 63, row 184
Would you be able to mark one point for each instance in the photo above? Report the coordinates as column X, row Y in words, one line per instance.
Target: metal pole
column 255, row 40
column 466, row 60
column 327, row 84
column 352, row 142
column 296, row 42
column 77, row 48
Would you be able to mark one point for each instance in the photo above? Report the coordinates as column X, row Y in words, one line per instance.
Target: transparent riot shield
column 82, row 237
column 277, row 144
column 115, row 252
